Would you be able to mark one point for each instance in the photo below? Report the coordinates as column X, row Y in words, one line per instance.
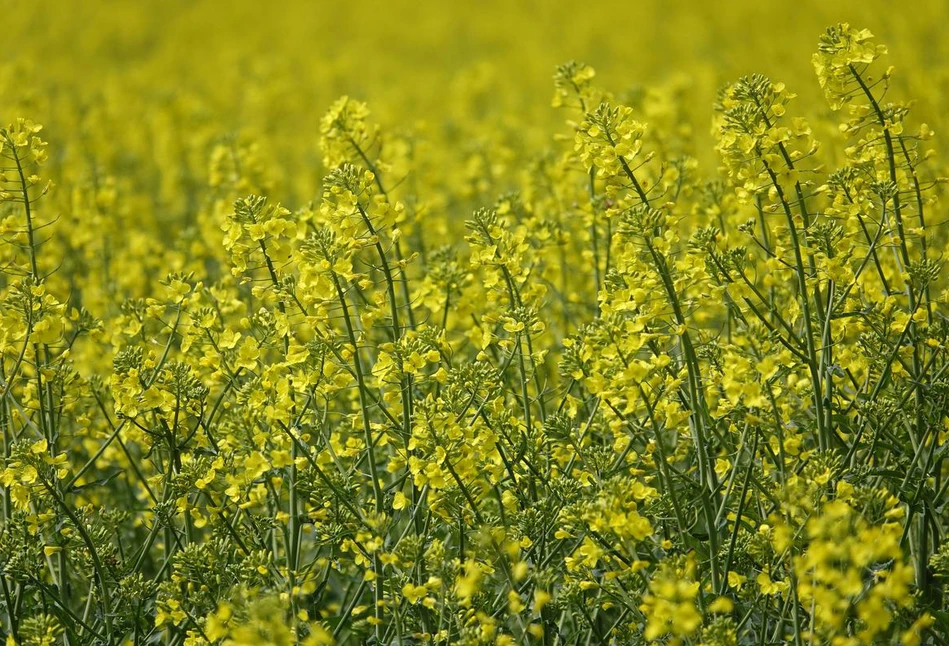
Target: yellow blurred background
column 146, row 88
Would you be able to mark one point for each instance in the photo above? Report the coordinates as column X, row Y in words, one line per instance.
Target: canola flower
column 581, row 382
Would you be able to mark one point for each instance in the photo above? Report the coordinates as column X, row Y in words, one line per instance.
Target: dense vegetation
column 275, row 371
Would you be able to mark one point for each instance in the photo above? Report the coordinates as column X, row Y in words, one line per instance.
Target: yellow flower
column 414, row 593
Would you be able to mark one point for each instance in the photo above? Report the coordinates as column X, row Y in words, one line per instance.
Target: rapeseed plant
column 300, row 378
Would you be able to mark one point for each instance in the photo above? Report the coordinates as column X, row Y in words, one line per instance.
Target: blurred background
column 411, row 57
column 273, row 68
column 136, row 95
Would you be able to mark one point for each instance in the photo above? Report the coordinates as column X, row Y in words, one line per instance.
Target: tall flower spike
column 609, row 137
column 573, row 79
column 753, row 141
column 346, row 135
column 841, row 51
